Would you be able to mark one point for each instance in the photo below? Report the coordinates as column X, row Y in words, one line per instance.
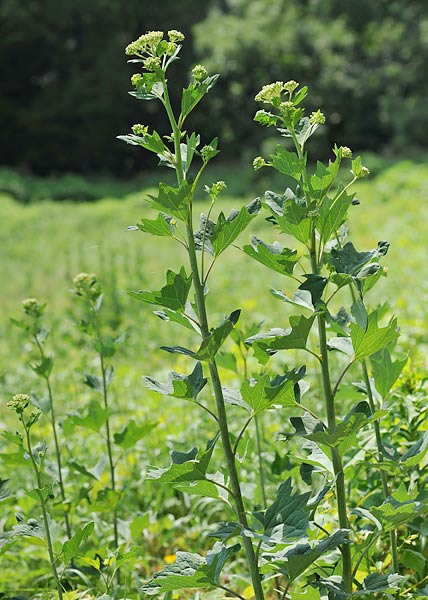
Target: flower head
column 346, row 152
column 152, row 63
column 19, row 403
column 216, row 188
column 199, row 72
column 290, row 86
column 206, row 153
column 364, row 172
column 259, row 162
column 175, row 36
column 146, row 42
column 138, row 129
column 32, row 307
column 136, row 78
column 317, row 118
column 270, row 92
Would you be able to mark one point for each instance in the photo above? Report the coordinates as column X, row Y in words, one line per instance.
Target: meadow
column 45, row 244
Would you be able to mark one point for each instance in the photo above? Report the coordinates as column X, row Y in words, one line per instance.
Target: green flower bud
column 83, row 282
column 364, row 172
column 199, row 72
column 259, row 162
column 175, row 36
column 317, row 118
column 290, row 86
column 32, row 307
column 216, row 188
column 19, row 403
column 171, row 48
column 152, row 63
column 136, row 78
column 206, row 152
column 138, row 129
column 270, row 92
column 346, row 152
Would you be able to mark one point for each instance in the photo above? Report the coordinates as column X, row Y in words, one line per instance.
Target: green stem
column 259, row 455
column 44, row 511
column 56, row 442
column 215, row 378
column 107, row 425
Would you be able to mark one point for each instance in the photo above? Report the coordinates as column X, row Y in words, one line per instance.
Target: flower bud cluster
column 317, row 118
column 138, row 129
column 149, row 42
column 199, row 72
column 271, row 93
column 136, row 79
column 32, row 307
column 364, row 172
column 346, row 152
column 217, row 188
column 259, row 162
column 206, row 153
column 85, row 284
column 19, row 403
column 152, row 63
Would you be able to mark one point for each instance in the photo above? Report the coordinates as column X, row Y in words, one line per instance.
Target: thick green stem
column 331, row 424
column 393, row 533
column 36, row 469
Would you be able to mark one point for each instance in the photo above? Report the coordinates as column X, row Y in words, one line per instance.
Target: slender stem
column 241, row 433
column 375, row 536
column 107, row 425
column 259, row 455
column 341, row 376
column 56, row 442
column 39, row 480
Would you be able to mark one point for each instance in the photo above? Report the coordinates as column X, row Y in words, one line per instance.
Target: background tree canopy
column 64, row 73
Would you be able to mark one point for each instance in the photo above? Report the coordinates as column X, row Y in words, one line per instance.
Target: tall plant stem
column 37, row 472
column 385, row 488
column 107, row 425
column 215, row 378
column 56, row 442
column 331, row 424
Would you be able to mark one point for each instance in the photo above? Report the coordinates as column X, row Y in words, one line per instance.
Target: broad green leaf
column 206, row 489
column 191, row 571
column 97, row 383
column 152, row 142
column 44, row 367
column 273, row 256
column 359, row 312
column 295, row 222
column 414, row 560
column 211, row 344
column 267, row 344
column 321, row 181
column 348, row 260
column 94, row 472
column 180, row 386
column 172, row 201
column 174, row 316
column 163, row 225
column 296, row 560
column 332, row 213
column 308, row 594
column 265, row 117
column 415, row 453
column 227, row 229
column 173, row 295
column 299, row 298
column 132, row 433
column 194, row 93
column 378, row 582
column 341, row 343
column 373, row 339
column 315, row 285
column 288, row 517
column 385, row 372
column 288, row 163
column 94, row 418
column 392, row 513
column 71, row 546
column 254, row 394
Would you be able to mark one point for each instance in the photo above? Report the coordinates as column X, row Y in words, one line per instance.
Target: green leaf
column 173, row 201
column 414, row 560
column 296, row 560
column 71, row 546
column 377, row 582
column 413, row 456
column 163, row 225
column 94, row 418
column 152, row 142
column 266, row 118
column 348, row 260
column 315, row 285
column 299, row 298
column 323, row 178
column 332, row 213
column 385, row 372
column 267, row 344
column 44, row 367
column 187, row 387
column 211, row 344
column 273, row 256
column 95, row 382
column 374, row 338
column 191, row 571
column 392, row 513
column 194, row 93
column 177, row 317
column 226, row 230
column 288, row 163
column 288, row 517
column 94, row 472
column 173, row 295
column 132, row 433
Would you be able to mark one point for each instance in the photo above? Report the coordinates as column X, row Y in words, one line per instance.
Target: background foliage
column 63, row 76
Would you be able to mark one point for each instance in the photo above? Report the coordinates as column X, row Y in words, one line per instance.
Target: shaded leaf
column 71, row 546
column 282, row 260
column 132, row 433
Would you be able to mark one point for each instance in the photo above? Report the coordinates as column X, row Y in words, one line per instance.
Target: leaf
column 163, row 225
column 348, row 260
column 294, row 561
column 323, row 178
column 71, row 546
column 413, row 456
column 392, row 513
column 211, row 344
column 266, row 118
column 149, row 141
column 44, row 367
column 385, row 372
column 132, row 433
column 267, row 344
column 177, row 317
column 180, row 386
column 94, row 418
column 173, row 201
column 194, row 93
column 414, row 560
column 315, row 285
column 332, row 213
column 191, row 571
column 226, row 230
column 299, row 298
column 94, row 472
column 173, row 295
column 341, row 343
column 287, row 518
column 377, row 582
column 273, row 256
column 369, row 341
column 288, row 163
